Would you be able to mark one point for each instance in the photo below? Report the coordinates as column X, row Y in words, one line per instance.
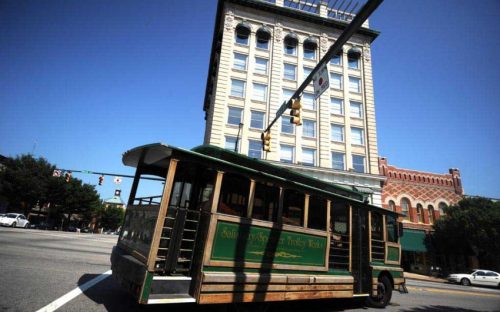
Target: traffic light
column 101, row 179
column 296, row 112
column 266, row 141
column 67, row 176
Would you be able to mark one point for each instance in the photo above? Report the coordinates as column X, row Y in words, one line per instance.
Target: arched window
column 441, row 207
column 420, row 213
column 242, row 33
column 310, row 46
column 291, row 41
column 262, row 36
column 430, row 208
column 353, row 57
column 392, row 205
column 405, row 208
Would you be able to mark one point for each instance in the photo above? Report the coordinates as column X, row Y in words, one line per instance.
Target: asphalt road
column 39, row 267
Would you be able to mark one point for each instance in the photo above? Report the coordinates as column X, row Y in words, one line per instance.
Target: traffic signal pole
column 354, row 26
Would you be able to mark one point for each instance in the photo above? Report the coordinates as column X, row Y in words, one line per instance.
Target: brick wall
column 424, row 190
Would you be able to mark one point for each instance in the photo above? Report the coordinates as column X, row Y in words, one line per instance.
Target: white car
column 476, row 277
column 14, row 220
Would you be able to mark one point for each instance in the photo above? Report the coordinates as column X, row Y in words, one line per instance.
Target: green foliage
column 110, row 217
column 26, row 180
column 472, row 227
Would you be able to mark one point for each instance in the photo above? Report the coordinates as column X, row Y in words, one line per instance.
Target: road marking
column 56, row 304
column 457, row 292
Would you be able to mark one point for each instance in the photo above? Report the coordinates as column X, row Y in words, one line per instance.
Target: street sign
column 117, row 180
column 321, row 81
column 56, row 173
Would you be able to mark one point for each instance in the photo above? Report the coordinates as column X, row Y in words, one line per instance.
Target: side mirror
column 400, row 229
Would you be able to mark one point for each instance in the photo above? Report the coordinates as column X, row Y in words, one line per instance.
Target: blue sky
column 81, row 82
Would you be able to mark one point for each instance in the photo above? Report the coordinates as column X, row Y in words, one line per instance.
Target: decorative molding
column 278, row 33
column 229, row 20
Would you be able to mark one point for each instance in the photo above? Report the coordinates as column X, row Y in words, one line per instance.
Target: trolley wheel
column 384, row 293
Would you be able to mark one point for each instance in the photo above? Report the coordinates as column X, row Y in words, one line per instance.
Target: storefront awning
column 413, row 240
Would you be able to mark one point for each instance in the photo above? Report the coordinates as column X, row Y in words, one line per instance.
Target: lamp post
column 238, row 137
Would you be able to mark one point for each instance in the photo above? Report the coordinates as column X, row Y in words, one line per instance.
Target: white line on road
column 56, row 304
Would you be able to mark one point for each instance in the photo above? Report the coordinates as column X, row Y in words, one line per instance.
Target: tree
column 470, row 228
column 26, row 181
column 110, row 217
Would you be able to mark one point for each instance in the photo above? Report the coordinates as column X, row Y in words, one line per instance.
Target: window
column 286, row 125
column 259, row 92
column 354, row 85
column 336, row 106
column 291, row 44
column 262, row 36
column 286, row 153
column 242, row 34
column 307, row 71
column 338, row 161
column 255, row 149
column 353, row 60
column 392, row 205
column 234, row 115
column 420, row 213
column 336, row 81
column 442, row 207
column 392, row 229
column 261, row 66
column 430, row 208
column 257, row 120
column 308, row 101
column 357, row 136
column 234, row 195
column 290, row 72
column 237, row 88
column 377, row 227
column 293, row 207
column 358, row 163
column 309, row 49
column 266, row 201
column 286, row 95
column 309, row 128
column 339, row 226
column 356, row 109
column 240, row 61
column 337, row 133
column 230, row 143
column 308, row 156
column 405, row 208
column 317, row 213
column 336, row 59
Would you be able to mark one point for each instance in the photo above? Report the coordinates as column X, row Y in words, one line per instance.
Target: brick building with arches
column 421, row 197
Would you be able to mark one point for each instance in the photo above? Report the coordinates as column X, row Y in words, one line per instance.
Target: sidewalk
column 426, row 278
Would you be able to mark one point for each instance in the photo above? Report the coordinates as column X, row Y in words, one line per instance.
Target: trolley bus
column 227, row 228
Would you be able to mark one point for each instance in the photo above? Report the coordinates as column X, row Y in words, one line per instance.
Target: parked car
column 14, row 220
column 476, row 277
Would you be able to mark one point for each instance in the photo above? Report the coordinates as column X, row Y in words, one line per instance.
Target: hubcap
column 380, row 291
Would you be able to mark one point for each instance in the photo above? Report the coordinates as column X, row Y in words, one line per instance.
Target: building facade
column 261, row 53
column 420, row 197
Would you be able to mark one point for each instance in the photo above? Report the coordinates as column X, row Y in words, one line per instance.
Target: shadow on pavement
column 438, row 308
column 112, row 297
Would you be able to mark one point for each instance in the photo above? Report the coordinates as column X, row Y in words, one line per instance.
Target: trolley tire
column 384, row 293
column 465, row 282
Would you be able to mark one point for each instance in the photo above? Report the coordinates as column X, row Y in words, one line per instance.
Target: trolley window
column 234, row 194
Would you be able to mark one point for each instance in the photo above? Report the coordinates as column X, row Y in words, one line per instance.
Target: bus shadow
column 438, row 308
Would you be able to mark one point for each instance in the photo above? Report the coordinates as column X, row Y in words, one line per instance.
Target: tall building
column 420, row 197
column 261, row 53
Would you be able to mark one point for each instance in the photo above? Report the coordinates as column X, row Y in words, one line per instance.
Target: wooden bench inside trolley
column 213, row 226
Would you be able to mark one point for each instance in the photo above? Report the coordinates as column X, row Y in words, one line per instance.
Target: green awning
column 413, row 240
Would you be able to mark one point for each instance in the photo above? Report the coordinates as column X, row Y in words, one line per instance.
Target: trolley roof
column 154, row 158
